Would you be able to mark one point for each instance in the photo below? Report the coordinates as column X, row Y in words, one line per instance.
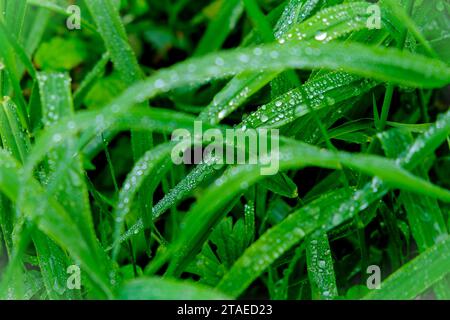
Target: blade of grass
column 220, row 27
column 67, row 187
column 320, row 267
column 248, row 268
column 258, row 20
column 390, row 87
column 52, row 220
column 114, row 35
column 205, row 213
column 400, row 67
column 417, row 275
column 52, row 260
column 243, row 86
column 168, row 289
column 9, row 59
column 90, row 79
column 54, row 7
column 424, row 215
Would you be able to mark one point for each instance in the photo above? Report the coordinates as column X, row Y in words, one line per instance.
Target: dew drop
column 257, row 51
column 219, row 61
column 320, row 36
column 57, row 138
column 222, row 114
column 243, row 58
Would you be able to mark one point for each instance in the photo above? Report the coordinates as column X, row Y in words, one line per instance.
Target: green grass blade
column 247, row 267
column 220, row 27
column 249, row 220
column 89, row 80
column 258, row 20
column 115, row 38
column 326, row 91
column 57, row 223
column 207, row 212
column 167, row 289
column 68, row 186
column 416, row 276
column 54, row 7
column 15, row 16
column 320, row 267
column 243, row 86
column 52, row 260
column 13, row 137
column 11, row 70
column 424, row 215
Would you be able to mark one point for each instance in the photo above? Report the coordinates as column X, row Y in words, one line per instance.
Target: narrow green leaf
column 322, row 216
column 220, row 27
column 320, row 267
column 167, row 289
column 417, row 275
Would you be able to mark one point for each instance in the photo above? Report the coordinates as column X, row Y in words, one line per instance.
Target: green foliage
column 61, row 54
column 363, row 159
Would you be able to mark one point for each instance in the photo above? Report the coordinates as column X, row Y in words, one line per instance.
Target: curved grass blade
column 324, row 91
column 416, row 276
column 179, row 192
column 114, row 35
column 379, row 63
column 424, row 215
column 54, row 7
column 265, row 250
column 207, row 212
column 11, row 70
column 65, row 178
column 54, row 221
column 341, row 20
column 89, row 80
column 167, row 289
column 52, row 260
column 150, row 161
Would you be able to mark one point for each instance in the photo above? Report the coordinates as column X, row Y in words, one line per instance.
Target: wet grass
column 87, row 179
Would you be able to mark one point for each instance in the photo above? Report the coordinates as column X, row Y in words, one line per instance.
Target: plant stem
column 390, row 88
